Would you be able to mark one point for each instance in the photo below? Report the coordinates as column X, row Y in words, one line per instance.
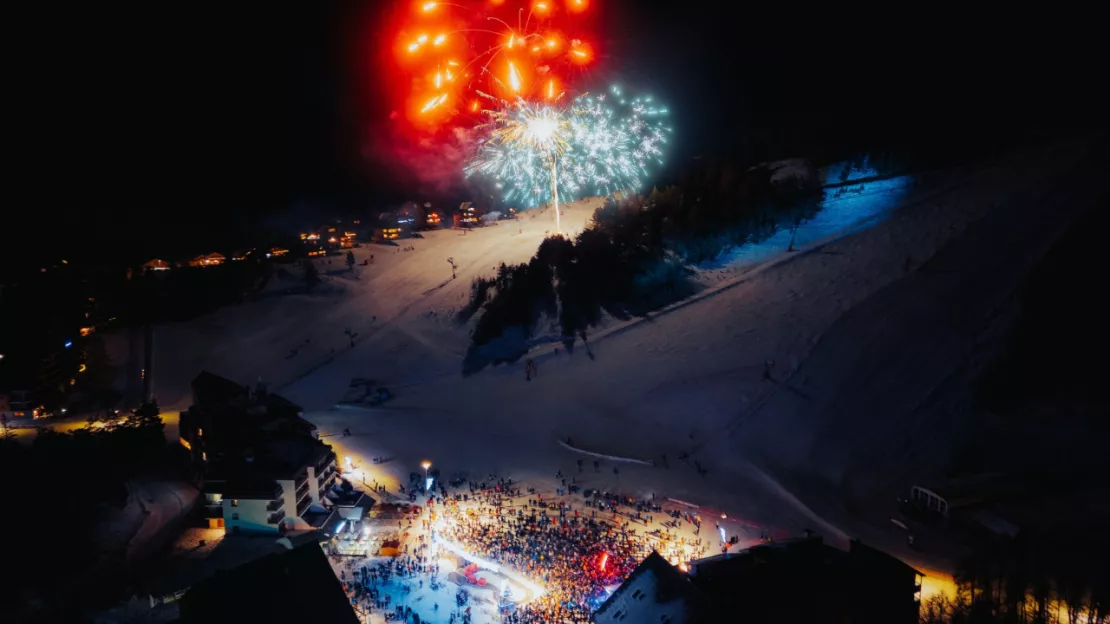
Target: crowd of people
column 572, row 542
column 575, row 544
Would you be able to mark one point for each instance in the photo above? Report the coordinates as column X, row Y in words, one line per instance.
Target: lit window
column 203, row 456
column 235, row 502
column 200, row 432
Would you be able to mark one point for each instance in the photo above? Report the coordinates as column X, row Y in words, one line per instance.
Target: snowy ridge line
column 627, row 460
column 742, row 278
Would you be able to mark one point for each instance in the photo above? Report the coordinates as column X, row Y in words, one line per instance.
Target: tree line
column 634, row 255
column 1032, row 579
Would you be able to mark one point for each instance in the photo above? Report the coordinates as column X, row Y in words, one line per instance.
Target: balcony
column 302, row 491
column 326, row 483
column 275, row 504
column 275, row 517
column 302, row 506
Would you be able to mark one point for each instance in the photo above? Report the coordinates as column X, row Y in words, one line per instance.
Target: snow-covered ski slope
column 872, row 327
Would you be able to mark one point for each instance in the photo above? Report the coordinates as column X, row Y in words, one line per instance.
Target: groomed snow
column 853, row 375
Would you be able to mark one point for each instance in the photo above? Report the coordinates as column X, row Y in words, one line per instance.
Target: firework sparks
column 596, row 145
column 510, row 48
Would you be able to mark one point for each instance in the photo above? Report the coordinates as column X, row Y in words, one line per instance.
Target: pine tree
column 311, row 275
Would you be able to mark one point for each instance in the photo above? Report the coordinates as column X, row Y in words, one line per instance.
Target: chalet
column 468, row 216
column 208, row 260
column 156, row 264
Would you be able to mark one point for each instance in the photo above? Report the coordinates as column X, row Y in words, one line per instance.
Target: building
column 805, row 580
column 15, row 404
column 655, row 592
column 156, row 264
column 296, row 586
column 262, row 465
column 794, row 581
column 467, row 216
column 208, row 260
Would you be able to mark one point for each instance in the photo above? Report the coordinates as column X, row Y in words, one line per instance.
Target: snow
column 856, row 386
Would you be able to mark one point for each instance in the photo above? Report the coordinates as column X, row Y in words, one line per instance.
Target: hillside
column 869, row 327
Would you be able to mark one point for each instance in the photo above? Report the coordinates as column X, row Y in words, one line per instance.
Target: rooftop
column 667, row 587
column 210, row 389
column 247, row 593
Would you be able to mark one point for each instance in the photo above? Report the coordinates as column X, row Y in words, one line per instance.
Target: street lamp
column 426, row 465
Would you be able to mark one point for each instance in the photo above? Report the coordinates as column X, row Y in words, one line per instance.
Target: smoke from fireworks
column 595, row 145
column 527, row 50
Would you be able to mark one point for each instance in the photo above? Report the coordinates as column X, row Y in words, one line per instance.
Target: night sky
column 146, row 132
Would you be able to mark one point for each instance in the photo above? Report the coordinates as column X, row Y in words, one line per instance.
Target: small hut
column 156, row 264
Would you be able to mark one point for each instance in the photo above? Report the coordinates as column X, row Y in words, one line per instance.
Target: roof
column 209, row 388
column 345, row 495
column 670, row 585
column 293, row 451
column 295, row 586
column 806, row 580
column 323, row 520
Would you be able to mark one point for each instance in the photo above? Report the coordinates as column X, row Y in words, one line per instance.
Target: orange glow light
column 581, row 53
column 474, row 106
column 449, row 50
